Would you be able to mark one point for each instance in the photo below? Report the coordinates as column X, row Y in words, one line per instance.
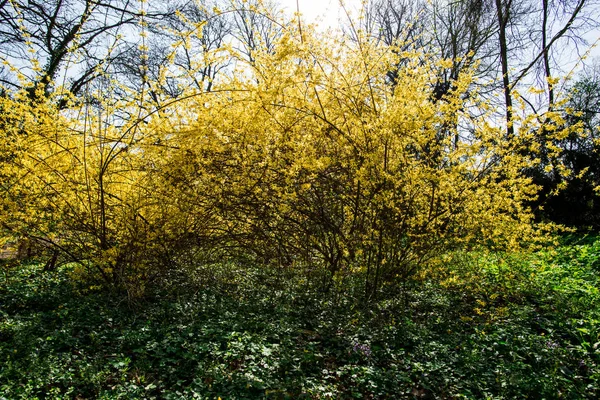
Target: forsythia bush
column 307, row 156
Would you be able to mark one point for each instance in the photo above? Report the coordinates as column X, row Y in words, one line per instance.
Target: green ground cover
column 494, row 326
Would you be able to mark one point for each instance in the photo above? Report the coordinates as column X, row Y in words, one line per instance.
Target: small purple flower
column 364, row 349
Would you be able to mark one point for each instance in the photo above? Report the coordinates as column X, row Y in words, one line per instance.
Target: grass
column 493, row 327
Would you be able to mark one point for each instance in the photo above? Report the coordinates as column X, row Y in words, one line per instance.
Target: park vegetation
column 217, row 200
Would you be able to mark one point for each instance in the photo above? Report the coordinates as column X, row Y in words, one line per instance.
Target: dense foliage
column 498, row 326
column 561, row 194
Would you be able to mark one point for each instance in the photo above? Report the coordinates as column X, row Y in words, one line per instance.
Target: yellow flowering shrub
column 304, row 157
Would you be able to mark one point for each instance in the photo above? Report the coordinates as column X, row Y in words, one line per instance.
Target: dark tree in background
column 578, row 203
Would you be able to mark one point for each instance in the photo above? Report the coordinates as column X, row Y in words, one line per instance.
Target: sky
column 324, row 12
column 327, row 13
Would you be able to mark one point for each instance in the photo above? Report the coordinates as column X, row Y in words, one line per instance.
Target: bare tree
column 202, row 30
column 400, row 24
column 44, row 38
column 461, row 32
column 556, row 25
column 458, row 31
column 254, row 26
column 509, row 40
column 532, row 37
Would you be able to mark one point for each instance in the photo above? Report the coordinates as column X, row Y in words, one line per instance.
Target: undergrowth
column 495, row 326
